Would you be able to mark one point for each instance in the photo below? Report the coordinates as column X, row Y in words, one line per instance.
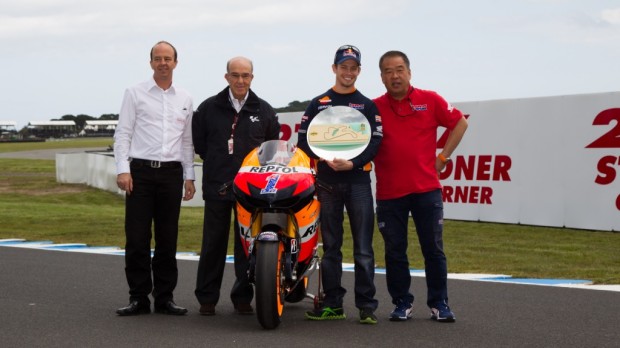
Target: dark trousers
column 155, row 200
column 215, row 234
column 427, row 213
column 357, row 198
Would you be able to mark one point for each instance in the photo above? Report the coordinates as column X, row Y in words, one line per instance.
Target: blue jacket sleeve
column 374, row 119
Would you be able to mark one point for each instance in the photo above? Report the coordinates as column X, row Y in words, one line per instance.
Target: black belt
column 155, row 164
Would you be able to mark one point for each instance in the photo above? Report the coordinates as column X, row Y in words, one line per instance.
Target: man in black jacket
column 226, row 127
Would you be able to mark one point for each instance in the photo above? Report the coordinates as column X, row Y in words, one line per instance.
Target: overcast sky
column 77, row 57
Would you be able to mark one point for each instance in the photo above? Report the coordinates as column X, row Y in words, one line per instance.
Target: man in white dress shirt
column 154, row 161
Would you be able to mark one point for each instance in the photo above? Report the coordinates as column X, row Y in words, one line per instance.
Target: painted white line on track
column 347, row 267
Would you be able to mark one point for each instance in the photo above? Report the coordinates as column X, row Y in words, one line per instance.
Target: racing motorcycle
column 278, row 216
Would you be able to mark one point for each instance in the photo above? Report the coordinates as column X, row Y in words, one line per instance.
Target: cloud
column 36, row 19
column 611, row 16
column 599, row 28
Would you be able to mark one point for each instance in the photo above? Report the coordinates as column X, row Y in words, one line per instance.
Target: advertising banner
column 549, row 161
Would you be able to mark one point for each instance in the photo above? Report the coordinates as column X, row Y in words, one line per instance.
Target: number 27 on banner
column 608, row 165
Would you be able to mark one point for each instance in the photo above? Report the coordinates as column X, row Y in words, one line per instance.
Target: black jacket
column 211, row 129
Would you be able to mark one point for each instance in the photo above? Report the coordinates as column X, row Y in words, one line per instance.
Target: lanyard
column 232, row 132
column 234, row 125
column 231, row 143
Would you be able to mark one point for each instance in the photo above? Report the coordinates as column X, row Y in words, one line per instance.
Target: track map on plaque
column 338, row 132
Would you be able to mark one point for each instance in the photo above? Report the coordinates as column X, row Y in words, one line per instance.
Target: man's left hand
column 189, row 190
column 340, row 164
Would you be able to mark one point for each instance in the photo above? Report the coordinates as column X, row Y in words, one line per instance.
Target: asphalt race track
column 54, row 298
column 51, row 298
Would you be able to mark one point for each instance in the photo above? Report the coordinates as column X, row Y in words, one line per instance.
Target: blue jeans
column 357, row 198
column 392, row 218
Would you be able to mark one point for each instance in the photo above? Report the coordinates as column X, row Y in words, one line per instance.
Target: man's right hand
column 125, row 182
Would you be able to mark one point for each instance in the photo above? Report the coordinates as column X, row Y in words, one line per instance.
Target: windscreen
column 275, row 152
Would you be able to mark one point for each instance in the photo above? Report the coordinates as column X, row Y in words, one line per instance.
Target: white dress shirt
column 237, row 104
column 155, row 124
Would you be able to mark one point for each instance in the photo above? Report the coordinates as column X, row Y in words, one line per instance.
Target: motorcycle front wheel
column 268, row 281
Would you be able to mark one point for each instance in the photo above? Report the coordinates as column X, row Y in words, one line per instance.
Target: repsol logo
column 273, row 169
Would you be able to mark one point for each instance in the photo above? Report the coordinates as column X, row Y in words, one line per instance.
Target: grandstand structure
column 97, row 128
column 52, row 129
column 55, row 129
column 8, row 130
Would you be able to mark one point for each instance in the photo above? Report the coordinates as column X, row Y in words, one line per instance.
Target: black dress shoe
column 244, row 308
column 170, row 308
column 134, row 308
column 207, row 309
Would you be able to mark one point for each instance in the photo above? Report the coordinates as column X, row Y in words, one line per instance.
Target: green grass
column 58, row 144
column 34, row 206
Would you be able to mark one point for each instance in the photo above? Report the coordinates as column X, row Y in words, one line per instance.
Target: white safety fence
column 98, row 169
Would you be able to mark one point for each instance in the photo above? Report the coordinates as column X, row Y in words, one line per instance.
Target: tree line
column 80, row 120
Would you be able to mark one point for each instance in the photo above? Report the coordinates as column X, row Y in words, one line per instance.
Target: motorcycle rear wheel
column 268, row 283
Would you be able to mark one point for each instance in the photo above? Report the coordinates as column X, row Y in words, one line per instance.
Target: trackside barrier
column 549, row 161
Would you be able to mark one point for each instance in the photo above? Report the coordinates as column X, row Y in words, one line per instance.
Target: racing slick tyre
column 269, row 299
